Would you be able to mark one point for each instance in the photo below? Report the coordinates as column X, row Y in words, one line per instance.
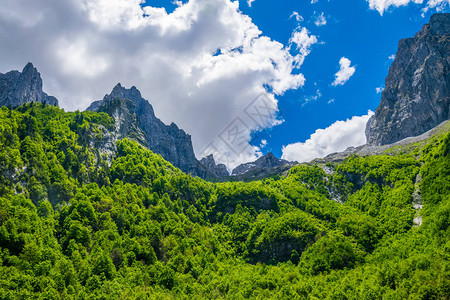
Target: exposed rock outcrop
column 218, row 170
column 17, row 88
column 417, row 93
column 125, row 125
column 267, row 161
column 172, row 143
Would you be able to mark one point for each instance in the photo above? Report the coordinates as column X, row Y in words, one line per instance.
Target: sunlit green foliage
column 76, row 223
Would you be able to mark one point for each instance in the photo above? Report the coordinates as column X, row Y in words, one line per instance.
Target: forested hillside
column 76, row 223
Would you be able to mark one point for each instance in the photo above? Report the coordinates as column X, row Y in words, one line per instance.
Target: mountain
column 408, row 143
column 78, row 224
column 417, row 93
column 172, row 143
column 88, row 212
column 265, row 166
column 267, row 161
column 125, row 125
column 17, row 88
column 218, row 170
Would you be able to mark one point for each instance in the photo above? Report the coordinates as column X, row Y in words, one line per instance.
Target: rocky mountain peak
column 269, row 158
column 121, row 92
column 17, row 88
column 123, row 112
column 417, row 93
column 264, row 162
column 172, row 143
column 438, row 26
column 30, row 71
column 218, row 170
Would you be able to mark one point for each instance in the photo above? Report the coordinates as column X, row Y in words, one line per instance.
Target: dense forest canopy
column 79, row 223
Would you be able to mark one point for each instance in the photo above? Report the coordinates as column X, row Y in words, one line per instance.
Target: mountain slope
column 406, row 144
column 417, row 93
column 77, row 224
column 88, row 212
column 168, row 140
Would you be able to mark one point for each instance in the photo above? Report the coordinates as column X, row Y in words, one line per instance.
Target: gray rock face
column 417, row 93
column 172, row 143
column 125, row 122
column 219, row 171
column 17, row 88
column 265, row 162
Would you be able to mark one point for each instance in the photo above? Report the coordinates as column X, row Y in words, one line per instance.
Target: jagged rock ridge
column 17, row 88
column 125, row 125
column 265, row 162
column 172, row 143
column 417, row 93
column 218, row 170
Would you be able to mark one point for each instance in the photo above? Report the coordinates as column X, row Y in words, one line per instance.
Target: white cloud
column 297, row 16
column 75, row 58
column 320, row 20
column 303, row 41
column 344, row 73
column 383, row 5
column 249, row 2
column 177, row 2
column 335, row 138
column 379, row 89
column 439, row 5
column 392, row 57
column 263, row 144
column 206, row 58
column 314, row 1
column 312, row 98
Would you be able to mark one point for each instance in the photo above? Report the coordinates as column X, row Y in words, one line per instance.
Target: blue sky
column 353, row 31
column 203, row 63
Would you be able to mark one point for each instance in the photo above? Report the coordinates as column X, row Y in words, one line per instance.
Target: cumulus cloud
column 297, row 16
column 344, row 73
column 439, row 5
column 203, row 63
column 320, row 20
column 263, row 144
column 250, row 2
column 335, row 138
column 379, row 89
column 392, row 57
column 303, row 42
column 383, row 5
